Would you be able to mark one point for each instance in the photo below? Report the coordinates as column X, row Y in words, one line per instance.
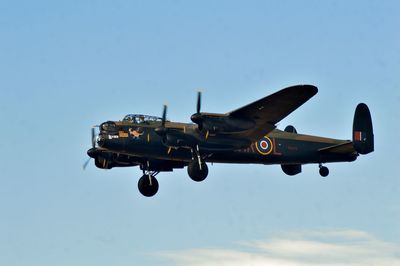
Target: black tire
column 195, row 173
column 324, row 171
column 145, row 188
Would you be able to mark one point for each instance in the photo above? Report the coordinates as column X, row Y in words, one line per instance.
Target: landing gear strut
column 197, row 168
column 323, row 170
column 148, row 184
column 197, row 172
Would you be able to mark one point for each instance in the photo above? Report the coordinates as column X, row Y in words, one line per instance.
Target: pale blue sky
column 66, row 65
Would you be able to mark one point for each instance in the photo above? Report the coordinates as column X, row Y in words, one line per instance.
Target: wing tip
column 311, row 88
column 305, row 89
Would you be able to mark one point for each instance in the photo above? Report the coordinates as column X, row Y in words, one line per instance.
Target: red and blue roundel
column 264, row 146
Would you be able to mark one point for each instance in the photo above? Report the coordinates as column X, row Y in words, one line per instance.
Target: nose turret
column 109, row 127
column 107, row 131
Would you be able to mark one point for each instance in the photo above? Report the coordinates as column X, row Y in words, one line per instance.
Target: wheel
column 147, row 189
column 324, row 171
column 195, row 173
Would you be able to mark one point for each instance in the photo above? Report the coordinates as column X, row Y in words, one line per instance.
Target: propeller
column 93, row 140
column 86, row 163
column 162, row 130
column 164, row 116
column 198, row 102
column 196, row 117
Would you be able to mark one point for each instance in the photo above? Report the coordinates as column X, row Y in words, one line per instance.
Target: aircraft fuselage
column 278, row 147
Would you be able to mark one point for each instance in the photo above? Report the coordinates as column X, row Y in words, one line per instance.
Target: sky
column 68, row 65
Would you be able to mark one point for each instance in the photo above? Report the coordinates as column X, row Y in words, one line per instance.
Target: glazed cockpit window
column 141, row 119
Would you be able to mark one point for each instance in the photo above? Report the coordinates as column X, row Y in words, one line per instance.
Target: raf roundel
column 264, row 146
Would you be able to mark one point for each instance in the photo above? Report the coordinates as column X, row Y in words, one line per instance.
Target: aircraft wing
column 268, row 111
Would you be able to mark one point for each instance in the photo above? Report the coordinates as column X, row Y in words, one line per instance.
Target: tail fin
column 363, row 135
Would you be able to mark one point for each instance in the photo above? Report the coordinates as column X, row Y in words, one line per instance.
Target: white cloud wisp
column 325, row 247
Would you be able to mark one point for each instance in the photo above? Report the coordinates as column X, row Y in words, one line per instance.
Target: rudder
column 363, row 135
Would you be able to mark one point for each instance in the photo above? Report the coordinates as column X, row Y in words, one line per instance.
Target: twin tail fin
column 363, row 134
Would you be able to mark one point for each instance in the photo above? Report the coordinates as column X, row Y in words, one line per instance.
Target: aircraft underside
column 282, row 151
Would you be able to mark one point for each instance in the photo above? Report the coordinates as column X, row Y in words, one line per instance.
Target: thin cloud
column 320, row 247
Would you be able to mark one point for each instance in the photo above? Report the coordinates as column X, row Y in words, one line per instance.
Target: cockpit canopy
column 141, row 119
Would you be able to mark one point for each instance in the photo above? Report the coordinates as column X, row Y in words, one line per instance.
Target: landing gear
column 197, row 172
column 148, row 185
column 323, row 170
column 197, row 168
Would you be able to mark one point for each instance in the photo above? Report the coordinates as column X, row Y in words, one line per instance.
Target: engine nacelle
column 291, row 169
column 290, row 129
column 173, row 141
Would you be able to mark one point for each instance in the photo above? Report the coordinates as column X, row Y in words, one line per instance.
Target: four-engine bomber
column 247, row 135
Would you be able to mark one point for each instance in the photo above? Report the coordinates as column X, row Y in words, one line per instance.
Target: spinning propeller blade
column 164, row 116
column 93, row 138
column 93, row 135
column 161, row 130
column 86, row 163
column 198, row 102
column 197, row 117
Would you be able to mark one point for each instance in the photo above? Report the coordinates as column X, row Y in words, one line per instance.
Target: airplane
column 247, row 135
